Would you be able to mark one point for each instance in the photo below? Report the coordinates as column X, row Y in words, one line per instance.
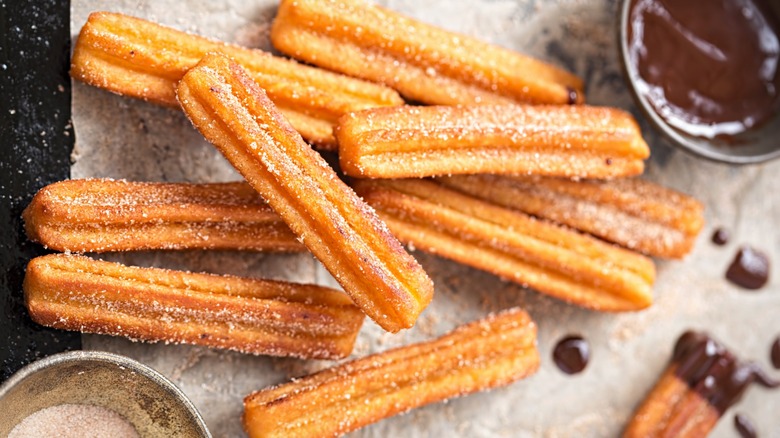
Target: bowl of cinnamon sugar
column 706, row 74
column 95, row 394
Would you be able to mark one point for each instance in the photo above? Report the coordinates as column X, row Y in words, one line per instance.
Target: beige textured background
column 121, row 138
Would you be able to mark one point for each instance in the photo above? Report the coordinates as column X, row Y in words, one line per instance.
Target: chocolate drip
column 750, row 269
column 744, row 426
column 714, row 372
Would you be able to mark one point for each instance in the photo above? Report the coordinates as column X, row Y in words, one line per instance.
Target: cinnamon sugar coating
column 569, row 141
column 632, row 212
column 141, row 59
column 100, row 215
column 341, row 230
column 424, row 63
column 484, row 354
column 73, row 292
column 554, row 260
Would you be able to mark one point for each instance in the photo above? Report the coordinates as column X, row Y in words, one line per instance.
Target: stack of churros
column 523, row 189
column 141, row 59
column 235, row 115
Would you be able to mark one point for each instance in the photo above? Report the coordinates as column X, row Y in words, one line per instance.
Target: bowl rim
column 670, row 133
column 114, row 359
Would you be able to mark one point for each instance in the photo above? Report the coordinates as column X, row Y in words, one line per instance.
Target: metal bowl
column 146, row 399
column 751, row 147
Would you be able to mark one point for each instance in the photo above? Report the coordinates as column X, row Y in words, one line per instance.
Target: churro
column 73, row 292
column 100, row 215
column 141, row 59
column 495, row 351
column 552, row 259
column 631, row 212
column 423, row 62
column 702, row 381
column 339, row 228
column 569, row 141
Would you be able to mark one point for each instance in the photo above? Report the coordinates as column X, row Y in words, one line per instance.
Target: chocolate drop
column 744, row 426
column 721, row 236
column 571, row 354
column 572, row 96
column 775, row 354
column 750, row 269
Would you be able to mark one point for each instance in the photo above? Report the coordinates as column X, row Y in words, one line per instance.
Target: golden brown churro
column 631, row 212
column 414, row 141
column 141, row 59
column 702, row 381
column 552, row 259
column 99, row 215
column 255, row 316
column 423, row 62
column 495, row 351
column 342, row 231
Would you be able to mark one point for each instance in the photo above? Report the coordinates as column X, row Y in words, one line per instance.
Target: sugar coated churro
column 631, row 212
column 569, row 141
column 99, row 215
column 552, row 259
column 425, row 63
column 495, row 351
column 332, row 221
column 134, row 57
column 74, row 292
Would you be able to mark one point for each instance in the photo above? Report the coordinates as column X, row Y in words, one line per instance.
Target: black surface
column 36, row 139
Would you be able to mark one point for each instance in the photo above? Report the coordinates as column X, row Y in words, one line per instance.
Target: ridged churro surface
column 138, row 58
column 423, row 62
column 99, row 215
column 631, row 212
column 568, row 141
column 341, row 230
column 72, row 292
column 495, row 351
column 552, row 259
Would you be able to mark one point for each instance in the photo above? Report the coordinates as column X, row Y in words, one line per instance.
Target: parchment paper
column 123, row 138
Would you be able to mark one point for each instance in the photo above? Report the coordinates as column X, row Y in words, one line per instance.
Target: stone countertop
column 123, row 138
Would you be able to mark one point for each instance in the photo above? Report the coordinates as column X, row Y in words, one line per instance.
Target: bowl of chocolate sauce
column 706, row 73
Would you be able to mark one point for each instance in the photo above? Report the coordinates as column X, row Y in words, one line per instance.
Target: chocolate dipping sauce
column 750, row 269
column 708, row 67
column 744, row 426
column 571, row 354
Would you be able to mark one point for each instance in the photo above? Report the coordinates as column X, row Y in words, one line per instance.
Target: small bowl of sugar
column 95, row 394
